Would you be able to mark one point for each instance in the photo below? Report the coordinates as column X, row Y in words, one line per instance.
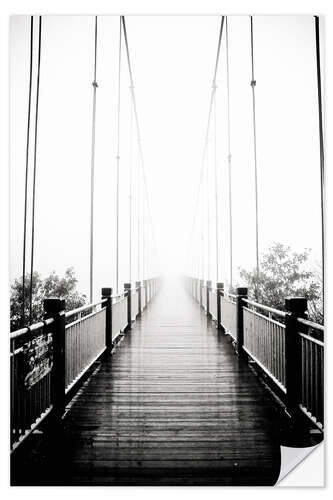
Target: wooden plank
column 173, row 406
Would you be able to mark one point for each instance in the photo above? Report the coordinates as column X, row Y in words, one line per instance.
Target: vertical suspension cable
column 143, row 239
column 321, row 150
column 27, row 172
column 198, row 258
column 139, row 225
column 118, row 158
column 92, row 169
column 207, row 213
column 253, row 84
column 197, row 202
column 229, row 159
column 130, row 192
column 202, row 234
column 216, row 197
column 148, row 252
column 35, row 172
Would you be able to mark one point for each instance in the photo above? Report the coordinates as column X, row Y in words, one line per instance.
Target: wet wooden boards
column 174, row 405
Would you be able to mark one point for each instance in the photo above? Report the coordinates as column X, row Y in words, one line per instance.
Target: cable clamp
column 253, row 83
column 95, row 84
column 229, row 158
column 117, row 157
column 214, row 86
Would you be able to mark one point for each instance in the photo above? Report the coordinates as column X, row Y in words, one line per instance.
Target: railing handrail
column 267, row 318
column 266, row 308
column 311, row 339
column 121, row 294
column 70, row 348
column 227, row 294
column 311, row 324
column 29, row 329
column 81, row 309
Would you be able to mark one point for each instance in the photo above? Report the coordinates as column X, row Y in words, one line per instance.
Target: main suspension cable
column 92, row 170
column 144, row 177
column 213, row 90
column 321, row 150
column 35, row 172
column 27, row 171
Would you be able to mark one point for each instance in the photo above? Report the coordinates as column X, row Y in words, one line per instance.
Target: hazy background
column 173, row 59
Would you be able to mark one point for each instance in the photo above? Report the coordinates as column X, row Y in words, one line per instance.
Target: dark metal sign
column 38, row 359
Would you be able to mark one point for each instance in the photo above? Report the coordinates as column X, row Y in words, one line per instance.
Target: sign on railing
column 31, row 362
column 48, row 359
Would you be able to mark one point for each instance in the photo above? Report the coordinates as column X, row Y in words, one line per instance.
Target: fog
column 173, row 61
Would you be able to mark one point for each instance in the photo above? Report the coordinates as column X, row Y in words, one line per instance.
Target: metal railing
column 84, row 341
column 213, row 303
column 229, row 314
column 265, row 342
column 312, row 371
column 50, row 358
column 204, row 291
column 119, row 315
column 31, row 399
column 287, row 347
column 134, row 304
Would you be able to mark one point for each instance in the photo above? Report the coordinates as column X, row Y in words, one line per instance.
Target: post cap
column 138, row 283
column 242, row 290
column 106, row 292
column 201, row 282
column 127, row 286
column 220, row 285
column 54, row 306
column 296, row 304
column 209, row 282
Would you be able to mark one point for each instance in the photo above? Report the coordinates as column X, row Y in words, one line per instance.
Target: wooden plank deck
column 173, row 406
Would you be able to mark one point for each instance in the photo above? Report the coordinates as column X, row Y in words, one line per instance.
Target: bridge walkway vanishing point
column 173, row 405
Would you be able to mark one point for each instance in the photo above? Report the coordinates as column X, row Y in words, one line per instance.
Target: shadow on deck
column 173, row 405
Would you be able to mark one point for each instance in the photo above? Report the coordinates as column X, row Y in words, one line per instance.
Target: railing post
column 107, row 294
column 296, row 307
column 127, row 288
column 219, row 290
column 138, row 286
column 201, row 282
column 55, row 308
column 209, row 286
column 241, row 294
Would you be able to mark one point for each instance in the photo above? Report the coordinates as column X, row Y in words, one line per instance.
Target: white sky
column 173, row 60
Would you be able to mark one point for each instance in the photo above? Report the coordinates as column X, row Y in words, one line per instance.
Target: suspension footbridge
column 182, row 381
